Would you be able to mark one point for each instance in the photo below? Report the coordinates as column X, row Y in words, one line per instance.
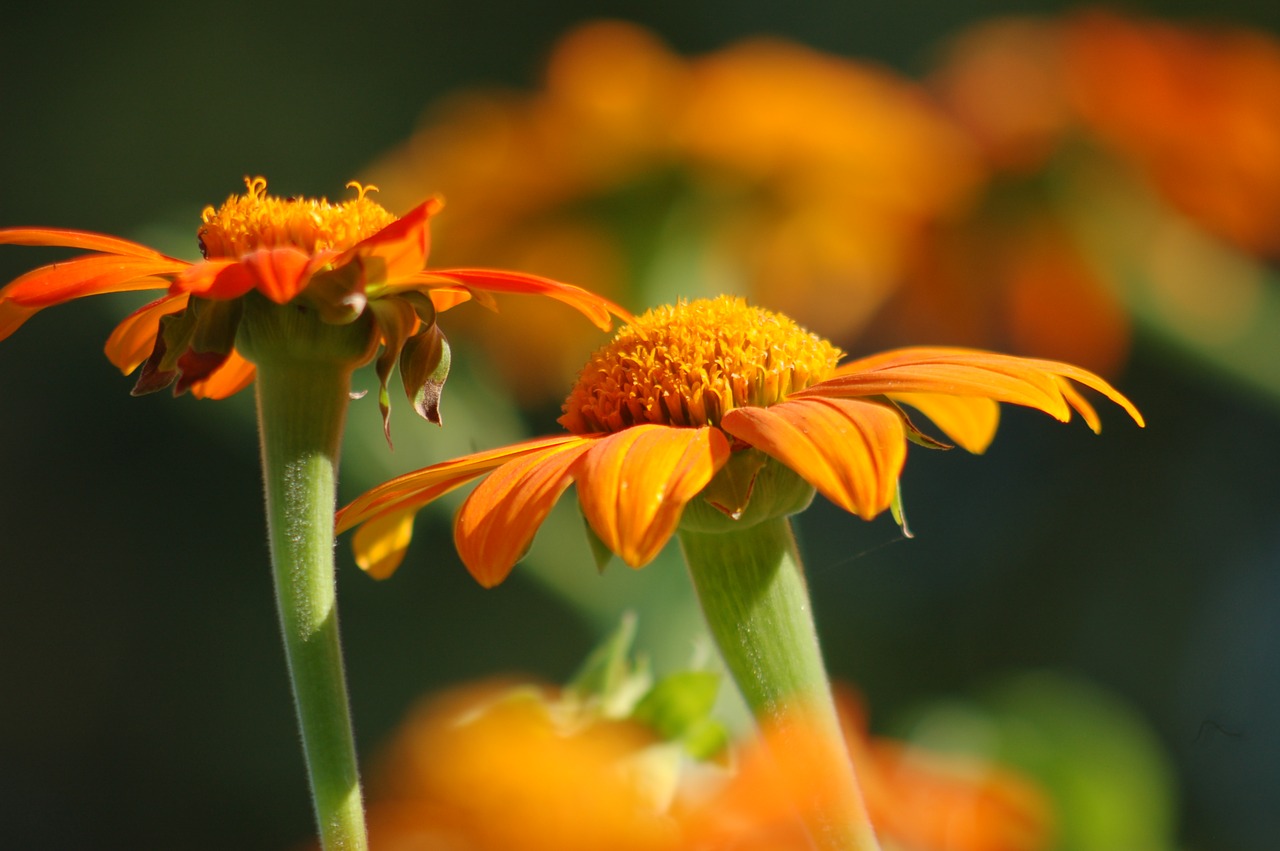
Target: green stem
column 751, row 585
column 302, row 403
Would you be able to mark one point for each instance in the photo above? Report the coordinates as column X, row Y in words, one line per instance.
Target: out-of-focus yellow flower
column 709, row 399
column 765, row 169
column 349, row 262
column 501, row 765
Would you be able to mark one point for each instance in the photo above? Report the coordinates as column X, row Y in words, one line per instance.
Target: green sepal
column 160, row 369
column 600, row 551
column 899, row 515
column 216, row 326
column 150, row 377
column 395, row 318
column 338, row 295
column 424, row 366
column 776, row 491
column 678, row 708
column 914, row 434
column 729, row 491
column 422, row 305
column 178, row 330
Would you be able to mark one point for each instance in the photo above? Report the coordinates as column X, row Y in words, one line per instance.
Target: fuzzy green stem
column 751, row 585
column 302, row 401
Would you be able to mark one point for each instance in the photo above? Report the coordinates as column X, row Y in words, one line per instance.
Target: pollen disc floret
column 255, row 220
column 688, row 364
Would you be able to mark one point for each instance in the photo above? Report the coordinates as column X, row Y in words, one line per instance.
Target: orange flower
column 501, row 765
column 800, row 179
column 732, row 403
column 1191, row 109
column 350, row 261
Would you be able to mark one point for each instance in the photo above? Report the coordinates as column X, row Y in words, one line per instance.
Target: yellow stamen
column 254, row 220
column 688, row 364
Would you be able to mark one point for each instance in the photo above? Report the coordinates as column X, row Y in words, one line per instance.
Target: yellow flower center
column 688, row 364
column 245, row 223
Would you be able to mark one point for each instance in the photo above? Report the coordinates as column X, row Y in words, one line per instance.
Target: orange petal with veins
column 280, row 273
column 380, row 545
column 82, row 239
column 92, row 274
column 598, row 309
column 633, row 485
column 496, row 524
column 402, row 246
column 851, row 450
column 970, row 372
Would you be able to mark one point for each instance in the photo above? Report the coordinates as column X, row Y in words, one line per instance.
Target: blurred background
column 1099, row 185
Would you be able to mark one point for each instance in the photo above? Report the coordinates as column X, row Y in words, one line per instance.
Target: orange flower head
column 350, row 264
column 254, row 220
column 731, row 411
column 689, row 364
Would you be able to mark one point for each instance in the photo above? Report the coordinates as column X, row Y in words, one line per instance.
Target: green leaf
column 705, row 739
column 608, row 664
column 424, row 366
column 679, row 706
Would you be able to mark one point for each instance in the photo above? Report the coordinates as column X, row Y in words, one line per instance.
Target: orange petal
column 234, row 375
column 970, row 421
column 383, row 537
column 225, row 278
column 12, row 316
column 851, row 450
column 93, row 274
column 969, row 372
column 596, row 308
column 133, row 339
column 496, row 524
column 444, row 298
column 420, row 487
column 380, row 543
column 78, row 239
column 401, row 246
column 281, row 272
column 633, row 485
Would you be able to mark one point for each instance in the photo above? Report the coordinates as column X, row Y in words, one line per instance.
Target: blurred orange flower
column 346, row 261
column 765, row 169
column 501, row 765
column 1195, row 110
column 1095, row 123
column 682, row 392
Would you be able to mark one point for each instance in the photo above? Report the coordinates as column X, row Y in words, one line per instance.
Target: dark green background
column 144, row 703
